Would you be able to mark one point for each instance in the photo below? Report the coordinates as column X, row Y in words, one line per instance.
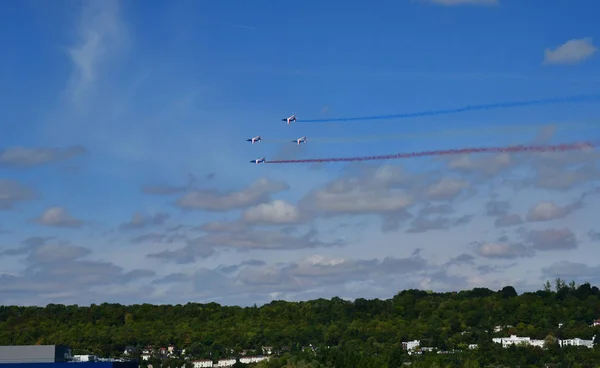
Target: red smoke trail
column 510, row 149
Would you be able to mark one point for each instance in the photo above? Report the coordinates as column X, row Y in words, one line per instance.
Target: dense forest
column 360, row 333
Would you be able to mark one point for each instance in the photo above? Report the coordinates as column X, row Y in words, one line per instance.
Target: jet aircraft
column 258, row 161
column 289, row 119
column 258, row 138
column 300, row 140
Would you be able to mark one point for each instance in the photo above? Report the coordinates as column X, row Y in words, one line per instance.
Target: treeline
column 366, row 331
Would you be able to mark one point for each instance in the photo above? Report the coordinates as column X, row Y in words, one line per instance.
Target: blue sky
column 125, row 173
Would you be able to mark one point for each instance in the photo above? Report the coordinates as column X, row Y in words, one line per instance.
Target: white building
column 577, row 342
column 203, row 363
column 267, row 350
column 500, row 328
column 225, row 363
column 472, row 346
column 411, row 345
column 252, row 359
column 516, row 340
column 85, row 358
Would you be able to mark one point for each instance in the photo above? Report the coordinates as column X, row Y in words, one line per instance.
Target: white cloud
column 552, row 239
column 374, row 191
column 101, row 34
column 503, row 250
column 446, row 188
column 46, row 278
column 139, row 221
column 277, row 212
column 28, row 157
column 217, row 200
column 571, row 52
column 244, row 239
column 58, row 217
column 12, row 192
column 509, row 219
column 546, row 211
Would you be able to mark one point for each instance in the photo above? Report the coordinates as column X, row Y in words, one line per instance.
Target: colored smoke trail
column 502, row 105
column 507, row 149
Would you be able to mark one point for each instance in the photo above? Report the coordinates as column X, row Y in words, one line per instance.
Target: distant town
column 413, row 347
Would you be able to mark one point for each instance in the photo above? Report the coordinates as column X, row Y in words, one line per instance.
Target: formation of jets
column 258, row 138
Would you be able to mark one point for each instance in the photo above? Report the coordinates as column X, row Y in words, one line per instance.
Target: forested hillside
column 362, row 333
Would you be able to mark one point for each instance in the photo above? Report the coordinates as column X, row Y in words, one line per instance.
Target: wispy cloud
column 101, row 32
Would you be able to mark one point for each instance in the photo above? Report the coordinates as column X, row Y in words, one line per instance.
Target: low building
column 34, row 354
column 225, row 363
column 577, row 342
column 202, row 363
column 252, row 359
column 516, row 340
column 132, row 364
column 85, row 358
column 411, row 345
column 267, row 350
column 130, row 350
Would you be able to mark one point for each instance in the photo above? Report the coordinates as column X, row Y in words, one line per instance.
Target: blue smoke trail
column 546, row 101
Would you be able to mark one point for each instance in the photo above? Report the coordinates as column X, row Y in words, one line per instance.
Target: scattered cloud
column 571, row 271
column 446, row 188
column 245, row 239
column 166, row 189
column 507, row 220
column 551, row 239
column 139, row 221
column 482, row 166
column 546, row 211
column 45, row 275
column 375, row 191
column 497, row 208
column 573, row 51
column 58, row 217
column 316, row 272
column 503, row 250
column 424, row 223
column 277, row 212
column 29, row 157
column 163, row 189
column 594, row 235
column 217, row 200
column 13, row 192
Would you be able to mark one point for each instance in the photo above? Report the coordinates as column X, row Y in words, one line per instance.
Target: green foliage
column 363, row 333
